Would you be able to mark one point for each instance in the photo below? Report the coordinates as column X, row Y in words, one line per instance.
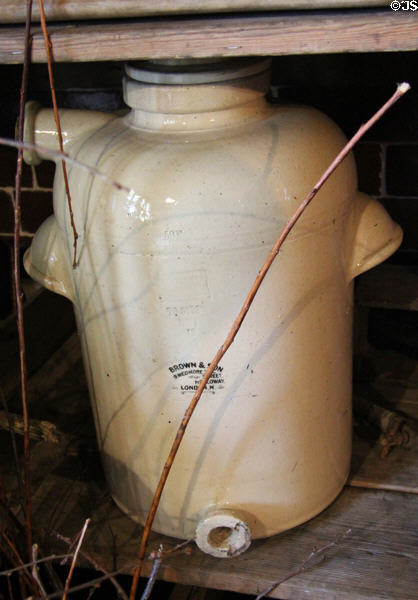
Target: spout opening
column 220, row 537
column 223, row 535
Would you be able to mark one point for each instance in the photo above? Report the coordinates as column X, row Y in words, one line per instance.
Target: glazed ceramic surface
column 214, row 172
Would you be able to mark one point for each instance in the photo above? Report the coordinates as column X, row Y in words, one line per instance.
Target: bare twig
column 35, row 571
column 181, row 546
column 97, row 566
column 308, row 563
column 48, row 50
column 10, row 589
column 17, row 283
column 93, row 582
column 77, row 550
column 9, row 572
column 91, row 592
column 13, row 555
column 151, row 580
column 66, row 157
column 401, row 90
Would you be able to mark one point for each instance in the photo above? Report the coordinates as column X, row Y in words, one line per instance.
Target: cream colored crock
column 215, row 172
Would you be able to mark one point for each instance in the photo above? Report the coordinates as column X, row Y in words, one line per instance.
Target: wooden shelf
column 369, row 30
column 14, row 11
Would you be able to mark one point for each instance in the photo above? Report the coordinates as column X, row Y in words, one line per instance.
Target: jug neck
column 196, row 96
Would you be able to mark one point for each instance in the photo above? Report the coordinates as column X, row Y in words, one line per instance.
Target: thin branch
column 9, row 572
column 97, row 566
column 77, row 550
column 72, row 544
column 151, row 580
column 13, row 555
column 10, row 589
column 66, row 157
column 48, row 50
column 181, row 546
column 308, row 563
column 93, row 582
column 35, row 571
column 91, row 592
column 17, row 283
column 401, row 89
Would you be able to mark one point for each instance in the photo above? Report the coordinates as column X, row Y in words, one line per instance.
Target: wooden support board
column 377, row 559
column 370, row 30
column 13, row 11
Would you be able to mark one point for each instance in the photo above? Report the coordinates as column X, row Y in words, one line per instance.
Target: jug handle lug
column 45, row 260
column 372, row 236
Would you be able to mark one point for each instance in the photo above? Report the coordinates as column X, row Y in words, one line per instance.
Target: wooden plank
column 397, row 472
column 49, row 321
column 45, row 380
column 378, row 559
column 389, row 286
column 264, row 34
column 13, row 11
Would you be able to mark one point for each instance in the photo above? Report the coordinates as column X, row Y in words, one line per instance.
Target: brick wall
column 349, row 88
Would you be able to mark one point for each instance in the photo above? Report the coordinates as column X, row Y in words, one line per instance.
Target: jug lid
column 200, row 70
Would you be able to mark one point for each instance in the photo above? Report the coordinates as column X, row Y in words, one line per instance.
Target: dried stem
column 401, row 89
column 10, row 589
column 48, row 50
column 17, row 283
column 181, row 546
column 307, row 564
column 98, row 567
column 35, row 571
column 151, row 580
column 52, row 557
column 77, row 550
column 66, row 157
column 13, row 555
column 93, row 582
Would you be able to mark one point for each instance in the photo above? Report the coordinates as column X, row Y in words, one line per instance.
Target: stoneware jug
column 215, row 172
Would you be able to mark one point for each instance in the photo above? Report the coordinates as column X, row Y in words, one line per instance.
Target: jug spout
column 223, row 534
column 372, row 236
column 40, row 129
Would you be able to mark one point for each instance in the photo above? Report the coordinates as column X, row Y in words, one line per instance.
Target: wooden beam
column 376, row 30
column 14, row 11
